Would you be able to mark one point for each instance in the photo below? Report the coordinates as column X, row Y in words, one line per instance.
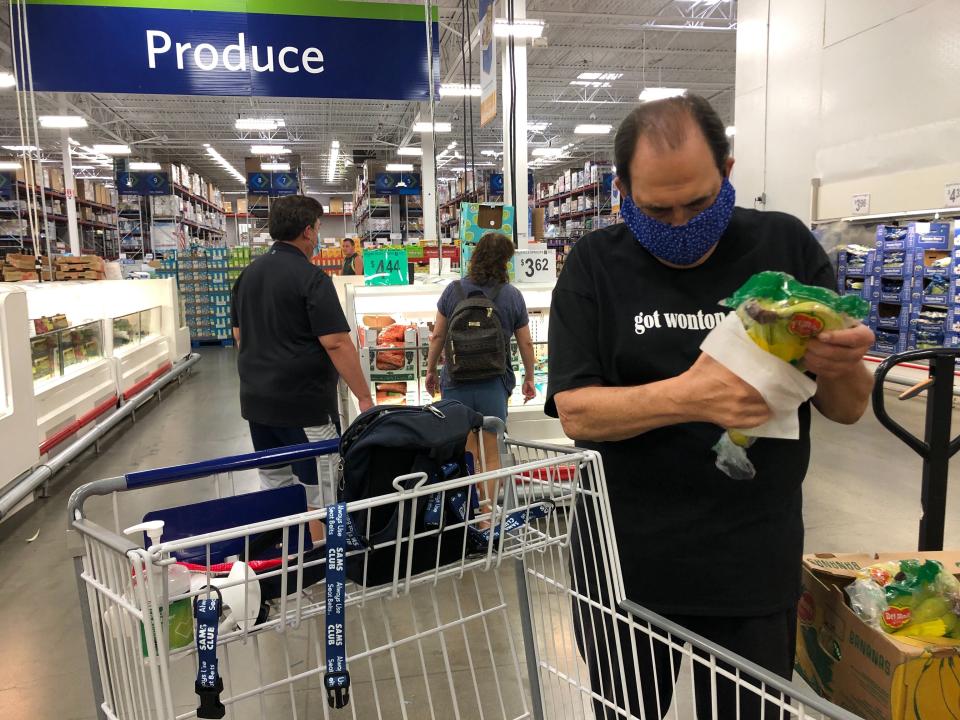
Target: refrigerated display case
column 392, row 326
column 57, row 353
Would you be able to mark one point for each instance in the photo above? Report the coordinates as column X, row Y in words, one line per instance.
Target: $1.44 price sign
column 951, row 195
column 385, row 267
column 535, row 266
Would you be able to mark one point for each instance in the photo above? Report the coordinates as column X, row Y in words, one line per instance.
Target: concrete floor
column 862, row 494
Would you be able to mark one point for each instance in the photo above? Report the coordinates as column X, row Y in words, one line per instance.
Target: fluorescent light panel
column 661, row 93
column 9, row 165
column 410, row 151
column 459, row 90
column 546, row 152
column 731, row 131
column 332, row 161
column 7, row 80
column 599, row 76
column 526, row 28
column 537, row 126
column 269, row 150
column 596, row 129
column 440, row 127
column 275, row 166
column 112, row 149
column 258, row 123
column 21, row 148
column 62, row 121
column 225, row 164
column 140, row 165
column 399, row 167
column 590, row 83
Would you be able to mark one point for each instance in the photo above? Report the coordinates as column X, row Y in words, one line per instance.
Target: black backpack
column 384, row 443
column 475, row 348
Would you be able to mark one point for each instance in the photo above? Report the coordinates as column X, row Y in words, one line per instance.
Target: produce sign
column 267, row 48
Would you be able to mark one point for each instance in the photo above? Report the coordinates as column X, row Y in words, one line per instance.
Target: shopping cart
column 501, row 632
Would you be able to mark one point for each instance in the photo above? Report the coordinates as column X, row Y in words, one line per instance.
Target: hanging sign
column 265, row 48
column 488, row 64
column 861, row 204
column 390, row 183
column 385, row 267
column 273, row 184
column 143, row 183
column 536, row 266
column 7, row 182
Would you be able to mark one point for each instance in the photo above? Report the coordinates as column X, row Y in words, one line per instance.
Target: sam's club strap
column 337, row 679
column 209, row 684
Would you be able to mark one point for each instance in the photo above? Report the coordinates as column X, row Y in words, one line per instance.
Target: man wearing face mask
column 720, row 557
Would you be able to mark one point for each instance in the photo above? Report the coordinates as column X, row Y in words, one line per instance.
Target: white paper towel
column 782, row 386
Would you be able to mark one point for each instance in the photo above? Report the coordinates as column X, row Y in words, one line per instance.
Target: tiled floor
column 862, row 494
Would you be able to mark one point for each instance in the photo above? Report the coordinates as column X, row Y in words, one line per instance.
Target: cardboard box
column 336, row 205
column 538, row 216
column 861, row 668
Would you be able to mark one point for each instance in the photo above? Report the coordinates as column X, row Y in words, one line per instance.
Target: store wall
column 856, row 93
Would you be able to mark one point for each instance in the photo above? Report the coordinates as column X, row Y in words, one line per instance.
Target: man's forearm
column 606, row 414
column 844, row 399
column 526, row 354
column 347, row 362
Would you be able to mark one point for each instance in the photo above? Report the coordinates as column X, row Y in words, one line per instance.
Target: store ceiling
column 672, row 43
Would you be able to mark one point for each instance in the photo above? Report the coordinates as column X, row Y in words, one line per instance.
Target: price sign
column 951, row 192
column 385, row 267
column 861, row 204
column 536, row 266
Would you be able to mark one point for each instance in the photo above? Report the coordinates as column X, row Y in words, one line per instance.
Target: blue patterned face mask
column 681, row 244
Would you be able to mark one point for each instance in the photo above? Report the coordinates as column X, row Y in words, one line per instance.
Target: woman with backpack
column 476, row 318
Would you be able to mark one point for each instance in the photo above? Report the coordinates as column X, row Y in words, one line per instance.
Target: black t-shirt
column 282, row 304
column 692, row 541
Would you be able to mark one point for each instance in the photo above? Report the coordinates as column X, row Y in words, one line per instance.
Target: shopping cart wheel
column 936, row 448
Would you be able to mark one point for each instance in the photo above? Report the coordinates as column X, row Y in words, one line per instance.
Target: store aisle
column 862, row 493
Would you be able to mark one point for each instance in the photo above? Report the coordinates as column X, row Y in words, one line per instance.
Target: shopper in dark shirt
column 294, row 342
column 634, row 302
column 351, row 261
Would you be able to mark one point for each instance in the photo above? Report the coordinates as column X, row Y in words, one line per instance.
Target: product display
column 910, row 598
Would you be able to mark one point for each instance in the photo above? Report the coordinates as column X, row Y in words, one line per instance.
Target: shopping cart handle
column 264, row 458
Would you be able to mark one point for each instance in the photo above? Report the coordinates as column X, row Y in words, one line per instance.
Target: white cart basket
column 499, row 633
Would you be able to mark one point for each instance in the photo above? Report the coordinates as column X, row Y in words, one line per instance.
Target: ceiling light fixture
column 140, row 165
column 7, row 80
column 410, row 151
column 9, row 165
column 661, row 93
column 399, row 167
column 519, row 28
column 537, row 127
column 459, row 90
column 425, row 127
column 225, row 164
column 589, row 83
column 21, row 148
column 275, row 166
column 599, row 76
column 258, row 123
column 269, row 150
column 731, row 131
column 546, row 152
column 112, row 149
column 332, row 161
column 588, row 129
column 62, row 121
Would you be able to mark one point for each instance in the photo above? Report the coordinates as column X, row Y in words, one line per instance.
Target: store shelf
column 198, row 226
column 570, row 193
column 579, row 214
column 183, row 191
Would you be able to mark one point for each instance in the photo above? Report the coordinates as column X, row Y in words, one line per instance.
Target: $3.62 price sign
column 536, row 266
column 385, row 267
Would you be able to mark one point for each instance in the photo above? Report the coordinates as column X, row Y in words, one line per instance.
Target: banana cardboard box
column 861, row 668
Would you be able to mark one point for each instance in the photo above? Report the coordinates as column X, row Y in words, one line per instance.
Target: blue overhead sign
column 272, row 183
column 268, row 48
column 143, row 183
